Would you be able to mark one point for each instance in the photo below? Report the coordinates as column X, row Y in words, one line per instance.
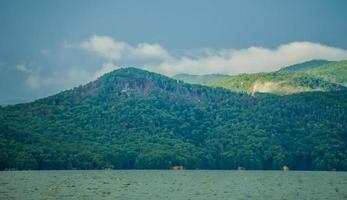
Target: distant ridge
column 314, row 75
column 305, row 66
column 201, row 79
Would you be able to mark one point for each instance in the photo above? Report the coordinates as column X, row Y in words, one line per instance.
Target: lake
column 167, row 184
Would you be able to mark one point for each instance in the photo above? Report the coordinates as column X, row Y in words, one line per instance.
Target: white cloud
column 154, row 57
column 149, row 51
column 105, row 47
column 112, row 50
column 251, row 60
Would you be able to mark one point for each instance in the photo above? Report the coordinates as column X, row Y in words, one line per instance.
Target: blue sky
column 49, row 46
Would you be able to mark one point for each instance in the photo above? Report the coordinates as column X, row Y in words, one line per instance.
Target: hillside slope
column 305, row 66
column 278, row 83
column 131, row 118
column 208, row 79
column 315, row 75
column 335, row 72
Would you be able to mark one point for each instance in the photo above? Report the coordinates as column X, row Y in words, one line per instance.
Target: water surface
column 165, row 184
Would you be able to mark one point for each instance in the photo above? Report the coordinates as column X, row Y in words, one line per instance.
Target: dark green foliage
column 136, row 119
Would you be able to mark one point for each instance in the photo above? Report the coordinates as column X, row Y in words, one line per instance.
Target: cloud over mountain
column 156, row 58
column 80, row 62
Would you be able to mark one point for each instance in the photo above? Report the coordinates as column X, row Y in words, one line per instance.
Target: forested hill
column 314, row 75
column 207, row 79
column 312, row 64
column 131, row 118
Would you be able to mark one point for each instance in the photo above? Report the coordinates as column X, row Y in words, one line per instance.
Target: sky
column 48, row 46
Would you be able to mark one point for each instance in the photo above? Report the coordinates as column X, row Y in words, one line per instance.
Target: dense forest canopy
column 134, row 119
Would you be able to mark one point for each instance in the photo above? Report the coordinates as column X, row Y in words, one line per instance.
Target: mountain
column 207, row 79
column 315, row 75
column 335, row 72
column 305, row 66
column 278, row 83
column 134, row 119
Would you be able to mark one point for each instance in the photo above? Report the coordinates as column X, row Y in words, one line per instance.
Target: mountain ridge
column 311, row 64
column 134, row 119
column 314, row 75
